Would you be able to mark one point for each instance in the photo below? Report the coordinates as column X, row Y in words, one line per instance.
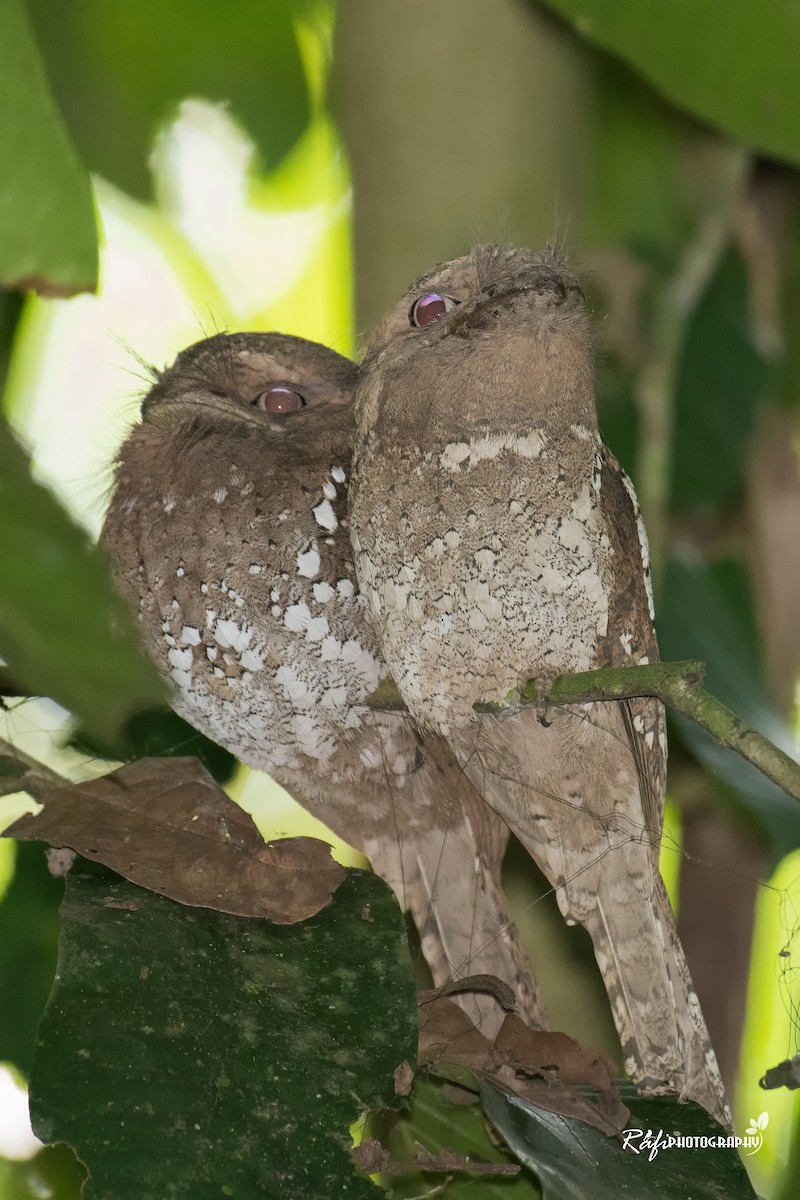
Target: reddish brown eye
column 279, row 401
column 431, row 308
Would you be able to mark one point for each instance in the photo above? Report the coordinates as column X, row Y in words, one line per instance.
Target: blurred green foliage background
column 660, row 150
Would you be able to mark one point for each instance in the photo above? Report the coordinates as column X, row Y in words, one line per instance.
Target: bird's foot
column 543, row 680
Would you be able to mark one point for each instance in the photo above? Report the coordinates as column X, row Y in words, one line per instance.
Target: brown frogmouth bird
column 498, row 541
column 228, row 529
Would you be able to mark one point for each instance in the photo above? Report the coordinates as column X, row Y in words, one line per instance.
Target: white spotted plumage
column 272, row 653
column 485, row 423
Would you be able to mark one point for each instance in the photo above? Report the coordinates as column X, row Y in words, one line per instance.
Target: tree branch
column 678, row 685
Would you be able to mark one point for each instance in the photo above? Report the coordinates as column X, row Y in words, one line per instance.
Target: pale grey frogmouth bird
column 228, row 529
column 497, row 540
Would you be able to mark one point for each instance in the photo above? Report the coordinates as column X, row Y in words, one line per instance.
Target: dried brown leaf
column 166, row 825
column 542, row 1052
column 604, row 1111
column 372, row 1158
column 544, row 1068
column 446, row 1034
column 403, row 1079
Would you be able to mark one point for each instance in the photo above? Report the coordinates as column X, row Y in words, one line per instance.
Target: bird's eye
column 279, row 401
column 429, row 309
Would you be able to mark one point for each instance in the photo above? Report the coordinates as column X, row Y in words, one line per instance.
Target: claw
column 543, row 682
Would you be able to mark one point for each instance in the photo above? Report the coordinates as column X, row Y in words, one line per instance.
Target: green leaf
column 28, row 942
column 120, row 69
column 721, row 382
column 438, row 1124
column 185, row 1053
column 574, row 1161
column 63, row 630
column 706, row 612
column 732, row 63
column 47, row 229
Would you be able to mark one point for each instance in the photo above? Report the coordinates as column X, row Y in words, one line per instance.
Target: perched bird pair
column 228, row 528
column 495, row 540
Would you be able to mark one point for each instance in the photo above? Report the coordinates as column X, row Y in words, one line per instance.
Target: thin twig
column 678, row 685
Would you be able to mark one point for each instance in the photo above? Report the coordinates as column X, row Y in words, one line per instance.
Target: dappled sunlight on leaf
column 257, row 237
column 277, row 815
column 227, row 250
column 185, row 1052
column 772, row 1029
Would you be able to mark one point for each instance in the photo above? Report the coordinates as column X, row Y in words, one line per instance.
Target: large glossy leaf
column 438, row 1124
column 705, row 612
column 119, row 70
column 574, row 1161
column 732, row 63
column 63, row 630
column 189, row 1054
column 47, row 228
column 28, row 940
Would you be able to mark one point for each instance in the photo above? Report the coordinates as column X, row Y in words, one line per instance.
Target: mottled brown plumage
column 228, row 528
column 498, row 540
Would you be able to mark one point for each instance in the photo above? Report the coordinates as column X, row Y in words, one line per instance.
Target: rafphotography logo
column 647, row 1142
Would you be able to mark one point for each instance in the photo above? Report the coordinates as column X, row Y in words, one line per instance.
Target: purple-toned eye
column 431, row 308
column 279, row 401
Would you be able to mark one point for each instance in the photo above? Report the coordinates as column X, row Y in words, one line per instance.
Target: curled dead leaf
column 542, row 1052
column 446, row 1033
column 550, row 1070
column 488, row 985
column 167, row 825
